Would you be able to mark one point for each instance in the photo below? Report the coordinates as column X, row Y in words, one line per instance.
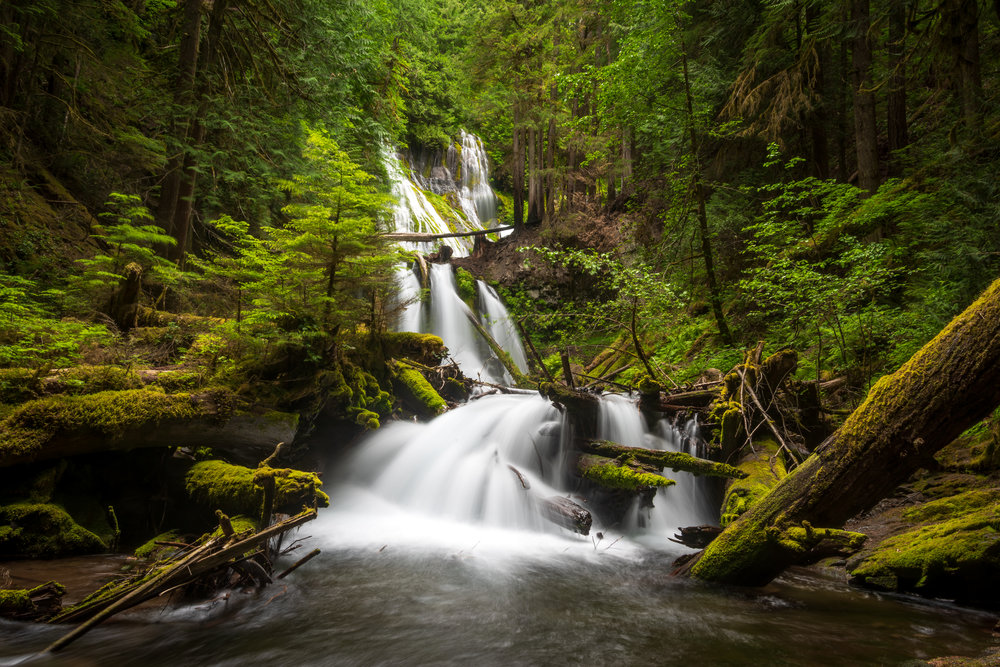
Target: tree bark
column 517, row 169
column 896, row 98
column 945, row 388
column 865, row 129
column 706, row 242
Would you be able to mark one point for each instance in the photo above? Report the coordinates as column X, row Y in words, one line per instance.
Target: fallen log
column 663, row 459
column 63, row 426
column 216, row 552
column 566, row 513
column 502, row 355
column 580, row 406
column 699, row 398
column 946, row 387
column 419, row 238
column 625, row 475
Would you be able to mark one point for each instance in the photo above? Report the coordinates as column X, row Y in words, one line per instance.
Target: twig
column 299, row 563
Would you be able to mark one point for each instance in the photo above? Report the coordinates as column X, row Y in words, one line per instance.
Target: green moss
column 764, row 470
column 414, row 385
column 43, row 530
column 110, row 413
column 466, row 285
column 616, row 476
column 648, row 385
column 426, row 349
column 234, row 489
column 15, row 602
column 153, row 551
column 18, row 385
column 957, row 553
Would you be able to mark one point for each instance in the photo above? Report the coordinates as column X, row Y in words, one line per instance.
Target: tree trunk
column 896, row 98
column 817, row 117
column 187, row 69
column 865, row 129
column 945, row 388
column 706, row 242
column 517, row 170
column 961, row 19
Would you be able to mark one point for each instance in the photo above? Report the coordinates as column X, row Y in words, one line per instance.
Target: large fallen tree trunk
column 949, row 385
column 664, row 459
column 62, row 426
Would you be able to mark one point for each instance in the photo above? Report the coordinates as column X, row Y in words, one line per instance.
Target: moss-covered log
column 217, row 485
column 43, row 530
column 664, row 459
column 62, row 426
column 625, row 475
column 33, row 604
column 945, row 388
column 508, row 363
column 762, row 469
column 416, row 391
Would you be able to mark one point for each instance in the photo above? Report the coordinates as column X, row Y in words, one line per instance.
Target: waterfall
column 475, row 195
column 494, row 316
column 407, row 299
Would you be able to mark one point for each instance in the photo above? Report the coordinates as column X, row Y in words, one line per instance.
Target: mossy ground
column 952, row 548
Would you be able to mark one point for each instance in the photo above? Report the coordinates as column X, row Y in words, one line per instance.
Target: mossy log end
column 625, row 475
column 946, row 387
column 62, row 426
column 663, row 459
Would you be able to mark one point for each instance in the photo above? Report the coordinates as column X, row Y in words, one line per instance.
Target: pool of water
column 394, row 588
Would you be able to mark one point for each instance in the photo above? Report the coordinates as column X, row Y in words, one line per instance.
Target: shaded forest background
column 819, row 174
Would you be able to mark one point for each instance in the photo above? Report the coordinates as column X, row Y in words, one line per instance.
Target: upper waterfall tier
column 461, row 175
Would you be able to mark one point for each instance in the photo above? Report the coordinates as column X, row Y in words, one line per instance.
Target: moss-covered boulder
column 217, row 485
column 43, row 530
column 953, row 550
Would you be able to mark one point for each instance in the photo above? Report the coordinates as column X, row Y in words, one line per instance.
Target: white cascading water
column 494, row 316
column 469, row 467
column 476, row 197
column 450, row 320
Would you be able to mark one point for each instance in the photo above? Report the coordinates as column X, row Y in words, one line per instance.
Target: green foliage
column 126, row 241
column 32, row 336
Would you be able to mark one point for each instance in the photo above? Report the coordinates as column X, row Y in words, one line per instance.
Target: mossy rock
column 426, row 349
column 764, row 470
column 217, row 485
column 43, row 530
column 955, row 553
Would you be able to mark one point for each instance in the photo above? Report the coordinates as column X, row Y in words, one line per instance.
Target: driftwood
column 560, row 511
column 34, row 604
column 663, row 459
column 566, row 513
column 946, row 387
column 696, row 537
column 215, row 554
column 698, row 398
